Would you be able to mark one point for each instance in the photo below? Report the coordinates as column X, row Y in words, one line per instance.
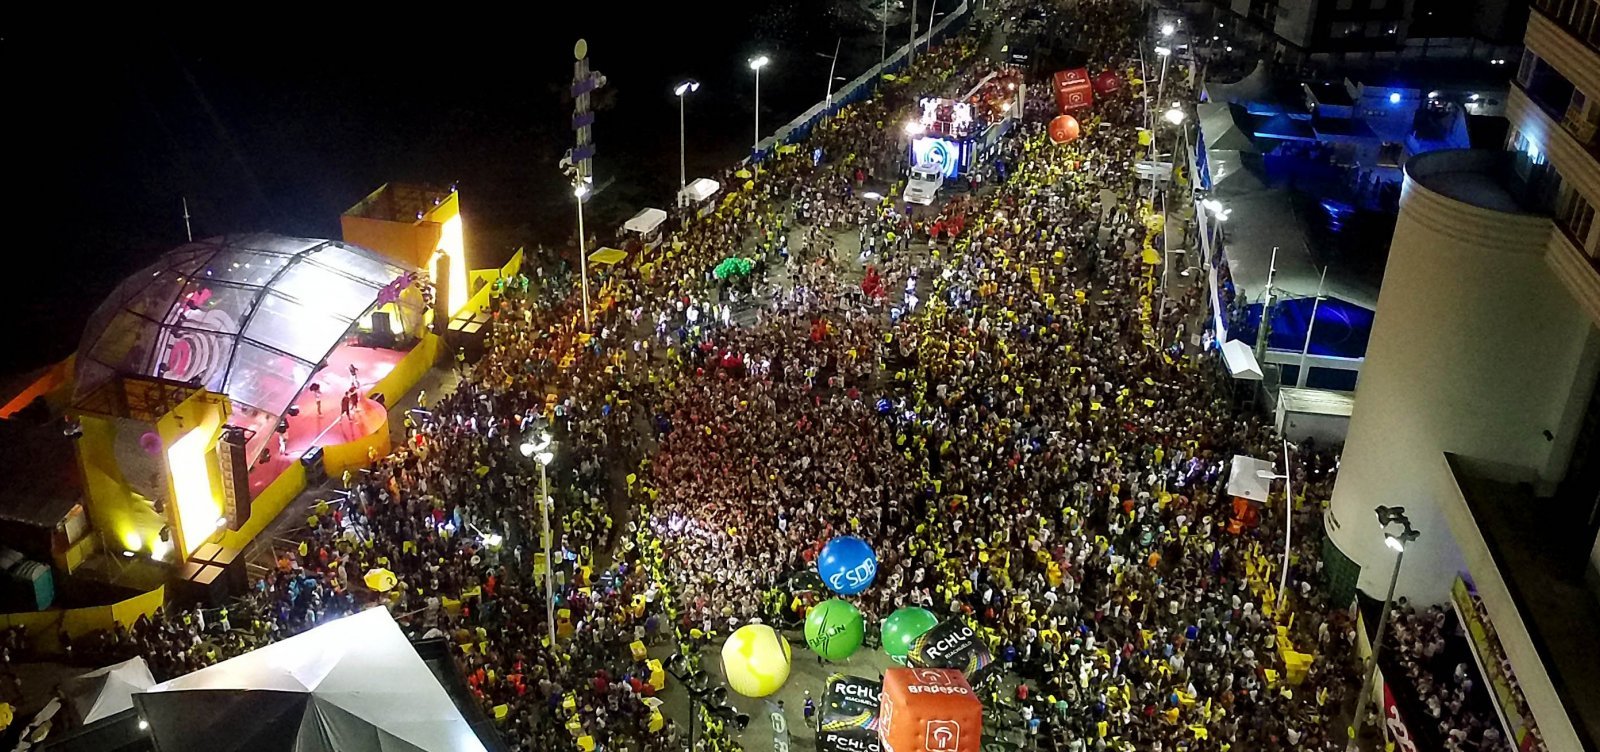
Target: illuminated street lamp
column 1288, row 519
column 1397, row 534
column 538, row 448
column 682, row 90
column 756, row 64
column 1167, row 30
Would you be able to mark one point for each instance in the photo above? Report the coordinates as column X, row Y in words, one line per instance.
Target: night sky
column 281, row 123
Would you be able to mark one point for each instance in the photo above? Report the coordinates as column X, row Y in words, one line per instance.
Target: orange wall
column 52, row 379
column 411, row 243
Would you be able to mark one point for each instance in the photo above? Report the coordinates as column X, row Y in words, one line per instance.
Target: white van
column 925, row 182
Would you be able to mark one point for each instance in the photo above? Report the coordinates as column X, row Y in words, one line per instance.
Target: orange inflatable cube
column 929, row 710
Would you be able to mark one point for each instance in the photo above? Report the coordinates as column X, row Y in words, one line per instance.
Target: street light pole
column 580, row 192
column 756, row 65
column 539, row 451
column 1386, row 516
column 883, row 32
column 1305, row 349
column 1370, row 671
column 683, row 169
column 1288, row 524
column 911, row 47
column 683, row 90
column 549, row 563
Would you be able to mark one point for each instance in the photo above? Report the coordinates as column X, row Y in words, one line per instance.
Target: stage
column 326, row 425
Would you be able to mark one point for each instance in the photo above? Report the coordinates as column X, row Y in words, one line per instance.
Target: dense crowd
column 1455, row 712
column 995, row 393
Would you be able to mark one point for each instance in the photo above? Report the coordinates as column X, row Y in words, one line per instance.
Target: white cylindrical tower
column 1477, row 350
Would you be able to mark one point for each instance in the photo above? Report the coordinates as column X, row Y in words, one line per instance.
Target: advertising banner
column 849, row 740
column 940, row 152
column 1491, row 660
column 1394, row 725
column 929, row 710
column 1074, row 90
column 955, row 645
column 850, row 702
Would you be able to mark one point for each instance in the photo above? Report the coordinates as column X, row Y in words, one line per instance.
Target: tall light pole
column 1165, row 53
column 580, row 191
column 683, row 90
column 579, row 162
column 1174, row 115
column 539, row 450
column 911, row 46
column 756, row 64
column 1387, row 517
column 1288, row 520
column 1305, row 349
column 883, row 32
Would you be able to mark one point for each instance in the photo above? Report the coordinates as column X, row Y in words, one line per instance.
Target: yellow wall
column 114, row 510
column 411, row 243
column 45, row 627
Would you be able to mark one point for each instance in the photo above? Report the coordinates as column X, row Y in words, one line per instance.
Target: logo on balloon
column 942, row 736
column 855, row 578
column 847, row 565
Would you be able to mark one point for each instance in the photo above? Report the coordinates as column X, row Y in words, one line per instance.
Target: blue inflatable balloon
column 847, row 565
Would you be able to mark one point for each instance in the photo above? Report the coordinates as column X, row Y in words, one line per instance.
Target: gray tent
column 108, row 691
column 353, row 685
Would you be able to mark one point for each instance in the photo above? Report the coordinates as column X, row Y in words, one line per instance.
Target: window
column 1576, row 216
column 1526, row 67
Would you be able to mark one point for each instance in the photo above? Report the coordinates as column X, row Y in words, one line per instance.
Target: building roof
column 249, row 316
column 41, row 471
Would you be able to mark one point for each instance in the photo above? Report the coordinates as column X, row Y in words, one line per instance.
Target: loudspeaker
column 381, row 325
column 316, row 469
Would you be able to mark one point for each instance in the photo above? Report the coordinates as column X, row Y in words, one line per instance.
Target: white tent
column 352, row 685
column 698, row 190
column 108, row 691
column 646, row 221
column 1241, row 360
column 1244, row 478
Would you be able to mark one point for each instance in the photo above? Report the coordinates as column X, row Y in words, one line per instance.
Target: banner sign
column 1074, row 91
column 1398, row 733
column 1503, row 688
column 849, row 740
column 850, row 702
column 955, row 645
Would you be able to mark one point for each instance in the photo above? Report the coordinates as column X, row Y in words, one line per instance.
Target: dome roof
column 249, row 316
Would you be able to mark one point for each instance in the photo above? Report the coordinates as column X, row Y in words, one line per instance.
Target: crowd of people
column 1454, row 708
column 1035, row 449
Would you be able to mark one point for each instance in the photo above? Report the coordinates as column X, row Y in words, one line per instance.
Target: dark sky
column 281, row 123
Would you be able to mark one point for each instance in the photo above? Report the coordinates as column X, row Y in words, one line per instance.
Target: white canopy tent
column 105, row 692
column 352, row 685
column 698, row 190
column 1241, row 360
column 1244, row 478
column 646, row 221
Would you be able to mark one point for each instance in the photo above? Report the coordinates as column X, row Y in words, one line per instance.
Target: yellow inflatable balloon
column 755, row 660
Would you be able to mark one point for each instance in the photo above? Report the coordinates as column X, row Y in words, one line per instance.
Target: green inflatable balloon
column 902, row 628
column 834, row 629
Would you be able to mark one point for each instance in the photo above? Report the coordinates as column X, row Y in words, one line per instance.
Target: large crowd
column 994, row 393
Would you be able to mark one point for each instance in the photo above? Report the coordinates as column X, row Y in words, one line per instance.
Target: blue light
column 1394, row 97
